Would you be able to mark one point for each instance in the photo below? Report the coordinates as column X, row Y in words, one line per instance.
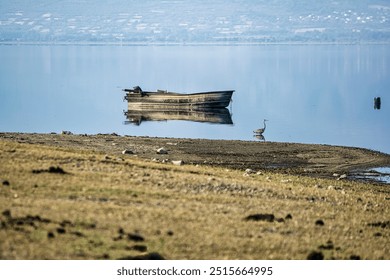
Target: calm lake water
column 309, row 93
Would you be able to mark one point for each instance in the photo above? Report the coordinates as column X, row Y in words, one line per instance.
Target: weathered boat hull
column 170, row 100
column 206, row 115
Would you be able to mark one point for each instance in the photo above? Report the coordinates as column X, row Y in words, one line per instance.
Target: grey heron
column 261, row 130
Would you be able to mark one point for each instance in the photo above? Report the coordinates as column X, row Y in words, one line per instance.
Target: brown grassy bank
column 74, row 202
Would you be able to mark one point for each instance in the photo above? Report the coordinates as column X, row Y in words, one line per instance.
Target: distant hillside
column 195, row 21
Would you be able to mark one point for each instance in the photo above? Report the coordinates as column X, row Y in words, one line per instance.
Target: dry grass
column 104, row 203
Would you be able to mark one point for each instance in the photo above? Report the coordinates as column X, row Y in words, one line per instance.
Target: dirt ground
column 81, row 197
column 290, row 158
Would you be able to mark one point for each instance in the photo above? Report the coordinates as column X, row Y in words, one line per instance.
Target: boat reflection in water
column 163, row 105
column 206, row 115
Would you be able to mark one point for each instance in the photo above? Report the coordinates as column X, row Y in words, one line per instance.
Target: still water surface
column 309, row 93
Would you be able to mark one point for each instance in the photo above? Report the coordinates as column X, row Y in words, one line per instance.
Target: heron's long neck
column 264, row 125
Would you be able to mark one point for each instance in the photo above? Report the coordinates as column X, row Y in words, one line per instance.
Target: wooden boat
column 139, row 99
column 205, row 115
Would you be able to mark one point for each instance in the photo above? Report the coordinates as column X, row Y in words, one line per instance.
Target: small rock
column 56, row 169
column 259, row 173
column 91, row 225
column 6, row 183
column 329, row 246
column 172, row 144
column 139, row 248
column 336, row 175
column 61, row 230
column 150, row 256
column 127, row 152
column 315, row 255
column 380, row 224
column 261, row 217
column 288, row 217
column 65, row 132
column 354, row 257
column 344, row 176
column 319, row 223
column 66, row 223
column 249, row 171
column 286, row 181
column 170, row 233
column 105, row 256
column 7, row 213
column 52, row 169
column 311, row 199
column 50, row 235
column 162, row 151
column 337, row 188
column 78, row 234
column 177, row 162
column 135, row 237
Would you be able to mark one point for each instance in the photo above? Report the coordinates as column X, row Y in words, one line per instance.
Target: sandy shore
column 81, row 197
column 290, row 158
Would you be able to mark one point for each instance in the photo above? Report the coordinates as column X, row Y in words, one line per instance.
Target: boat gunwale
column 168, row 93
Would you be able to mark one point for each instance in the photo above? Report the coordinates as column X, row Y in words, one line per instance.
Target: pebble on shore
column 66, row 132
column 127, row 152
column 162, row 151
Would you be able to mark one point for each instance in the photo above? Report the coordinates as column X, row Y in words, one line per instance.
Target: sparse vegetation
column 105, row 205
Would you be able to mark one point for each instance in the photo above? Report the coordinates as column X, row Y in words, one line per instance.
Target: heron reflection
column 259, row 137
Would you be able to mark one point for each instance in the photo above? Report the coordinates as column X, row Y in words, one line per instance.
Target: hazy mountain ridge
column 196, row 21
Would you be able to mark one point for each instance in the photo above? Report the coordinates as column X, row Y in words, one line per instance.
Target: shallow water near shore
column 320, row 94
column 380, row 174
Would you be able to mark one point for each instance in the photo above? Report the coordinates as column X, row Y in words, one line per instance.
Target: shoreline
column 314, row 160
